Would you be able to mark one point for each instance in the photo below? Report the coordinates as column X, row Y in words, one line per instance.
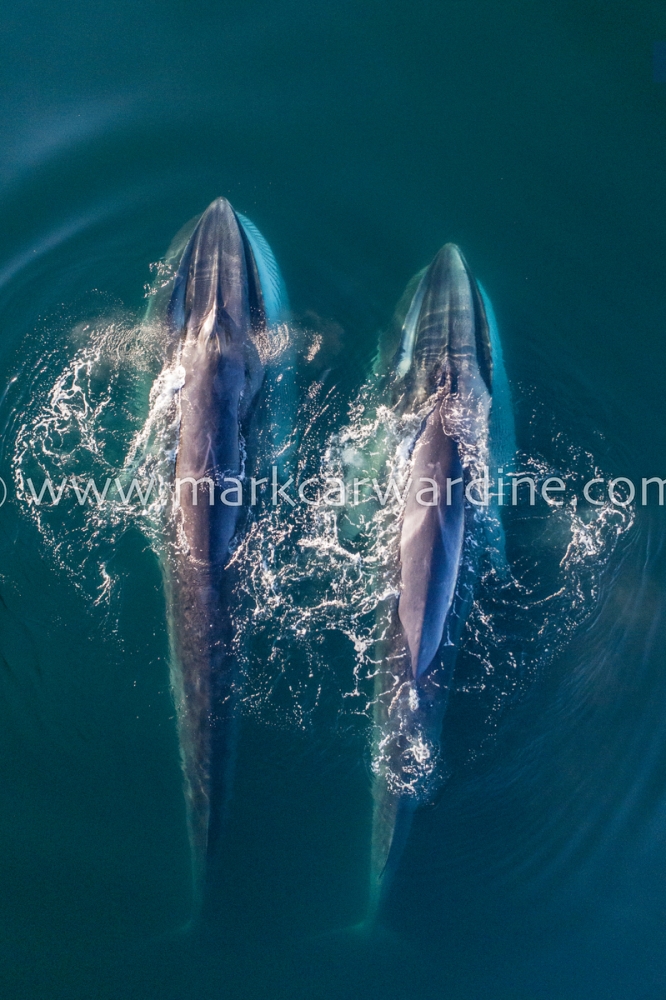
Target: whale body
column 448, row 369
column 227, row 295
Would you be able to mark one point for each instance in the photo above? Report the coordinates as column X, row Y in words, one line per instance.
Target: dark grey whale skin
column 448, row 355
column 451, row 356
column 216, row 313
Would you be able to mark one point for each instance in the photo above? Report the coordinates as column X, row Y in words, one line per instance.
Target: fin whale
column 227, row 295
column 446, row 367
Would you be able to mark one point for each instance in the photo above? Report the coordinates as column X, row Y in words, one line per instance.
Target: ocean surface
column 359, row 137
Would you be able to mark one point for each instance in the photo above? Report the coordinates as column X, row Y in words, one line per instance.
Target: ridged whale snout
column 212, row 279
column 449, row 262
column 427, row 328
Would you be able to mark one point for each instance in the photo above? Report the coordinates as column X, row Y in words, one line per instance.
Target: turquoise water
column 359, row 138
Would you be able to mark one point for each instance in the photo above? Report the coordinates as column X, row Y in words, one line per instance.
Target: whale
column 442, row 368
column 227, row 302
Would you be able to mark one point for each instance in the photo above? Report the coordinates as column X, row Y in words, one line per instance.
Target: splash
column 99, row 398
column 321, row 583
column 77, row 401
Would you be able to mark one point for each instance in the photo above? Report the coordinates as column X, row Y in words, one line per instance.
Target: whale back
column 444, row 362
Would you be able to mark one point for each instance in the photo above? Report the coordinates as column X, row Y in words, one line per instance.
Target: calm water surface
column 359, row 137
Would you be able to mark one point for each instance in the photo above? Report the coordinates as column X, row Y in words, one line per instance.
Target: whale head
column 217, row 288
column 445, row 331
